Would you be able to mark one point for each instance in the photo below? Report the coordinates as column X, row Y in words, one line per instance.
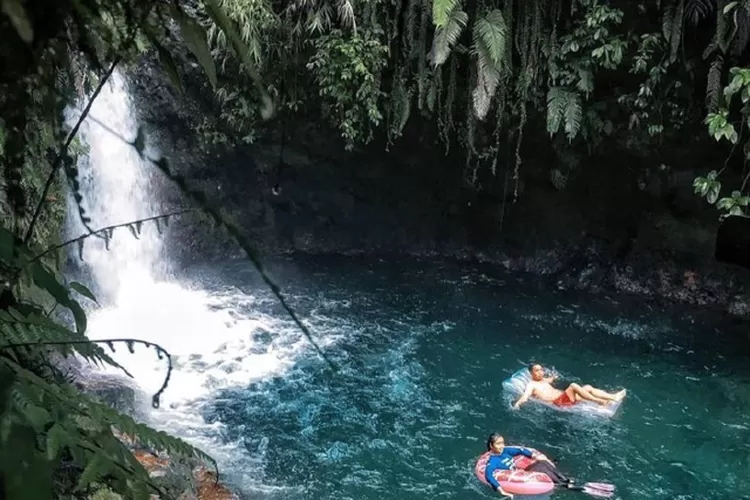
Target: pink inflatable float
column 517, row 481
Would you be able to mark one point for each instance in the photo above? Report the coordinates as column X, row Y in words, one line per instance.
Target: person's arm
column 525, row 396
column 504, row 493
column 517, row 450
column 488, row 475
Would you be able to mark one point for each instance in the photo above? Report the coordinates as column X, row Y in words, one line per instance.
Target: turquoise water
column 422, row 350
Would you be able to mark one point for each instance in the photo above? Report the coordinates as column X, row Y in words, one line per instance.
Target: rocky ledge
column 181, row 479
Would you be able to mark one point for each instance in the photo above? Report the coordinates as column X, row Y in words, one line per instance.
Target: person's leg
column 550, row 470
column 604, row 394
column 578, row 393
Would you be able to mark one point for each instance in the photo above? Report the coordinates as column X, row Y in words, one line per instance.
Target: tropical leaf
column 489, row 36
column 196, row 41
column 441, row 10
column 447, row 35
column 556, row 104
column 573, row 115
column 697, row 10
column 170, row 68
column 564, row 109
column 82, row 289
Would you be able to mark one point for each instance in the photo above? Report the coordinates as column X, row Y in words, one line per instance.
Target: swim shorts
column 563, row 400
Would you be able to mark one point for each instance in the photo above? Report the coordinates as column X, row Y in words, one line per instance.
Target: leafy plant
column 735, row 204
column 48, row 424
column 708, row 186
column 347, row 70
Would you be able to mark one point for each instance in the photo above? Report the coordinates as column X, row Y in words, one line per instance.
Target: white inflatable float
column 516, row 384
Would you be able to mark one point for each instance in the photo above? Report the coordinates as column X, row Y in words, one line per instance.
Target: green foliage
column 441, row 10
column 590, row 47
column 708, row 186
column 447, row 33
column 564, row 108
column 347, row 70
column 196, row 40
column 46, row 424
column 721, row 127
column 600, row 73
column 490, row 38
column 734, row 204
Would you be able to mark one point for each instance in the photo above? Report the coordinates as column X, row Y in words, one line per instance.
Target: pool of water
column 422, row 349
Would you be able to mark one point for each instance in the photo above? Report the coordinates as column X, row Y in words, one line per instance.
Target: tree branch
column 103, row 230
column 252, row 254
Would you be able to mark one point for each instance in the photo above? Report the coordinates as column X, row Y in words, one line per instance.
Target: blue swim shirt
column 503, row 461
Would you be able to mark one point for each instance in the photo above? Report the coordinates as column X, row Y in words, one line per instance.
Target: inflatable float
column 522, row 482
column 516, row 384
column 517, row 481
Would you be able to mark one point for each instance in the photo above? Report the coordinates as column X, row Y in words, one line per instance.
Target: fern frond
column 105, row 417
column 489, row 36
column 573, row 115
column 447, row 35
column 713, row 84
column 556, row 104
column 63, row 419
column 675, row 32
column 399, row 110
column 490, row 32
column 698, row 10
column 441, row 9
column 564, row 108
column 32, row 329
column 346, row 14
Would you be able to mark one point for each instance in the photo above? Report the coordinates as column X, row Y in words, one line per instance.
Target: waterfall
column 213, row 335
column 115, row 184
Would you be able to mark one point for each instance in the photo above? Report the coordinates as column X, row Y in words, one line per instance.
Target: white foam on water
column 214, row 344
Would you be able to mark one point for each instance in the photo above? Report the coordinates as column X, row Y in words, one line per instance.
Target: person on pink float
column 500, row 457
column 540, row 387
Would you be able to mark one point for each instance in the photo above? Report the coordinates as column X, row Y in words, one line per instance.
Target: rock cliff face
column 602, row 225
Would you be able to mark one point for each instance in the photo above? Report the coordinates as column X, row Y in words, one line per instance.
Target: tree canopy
column 641, row 77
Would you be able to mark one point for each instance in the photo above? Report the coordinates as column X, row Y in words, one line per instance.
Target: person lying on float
column 540, row 387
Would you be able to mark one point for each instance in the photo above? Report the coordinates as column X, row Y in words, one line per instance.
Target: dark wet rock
column 115, row 391
column 614, row 227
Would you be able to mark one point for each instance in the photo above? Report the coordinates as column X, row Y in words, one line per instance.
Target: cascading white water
column 210, row 335
column 115, row 183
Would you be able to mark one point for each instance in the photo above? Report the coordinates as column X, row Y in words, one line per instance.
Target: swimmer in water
column 540, row 387
column 501, row 458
